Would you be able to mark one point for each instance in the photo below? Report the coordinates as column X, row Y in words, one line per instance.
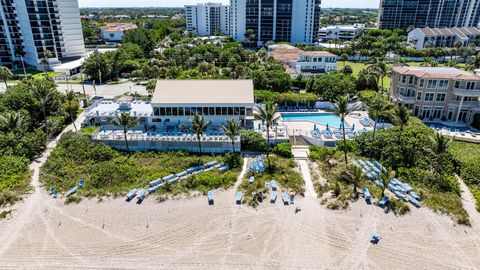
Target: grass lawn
column 284, row 171
column 37, row 74
column 110, row 172
column 358, row 66
column 14, row 179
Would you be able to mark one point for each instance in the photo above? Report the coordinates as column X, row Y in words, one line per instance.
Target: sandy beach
column 189, row 234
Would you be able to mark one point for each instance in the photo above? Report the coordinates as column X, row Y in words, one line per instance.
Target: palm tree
column 385, row 179
column 231, row 130
column 21, row 54
column 356, row 176
column 344, row 58
column 199, row 126
column 382, row 70
column 71, row 105
column 473, row 62
column 342, row 110
column 44, row 61
column 401, row 117
column 12, row 121
column 5, row 74
column 126, row 122
column 43, row 92
column 377, row 108
column 268, row 114
column 439, row 144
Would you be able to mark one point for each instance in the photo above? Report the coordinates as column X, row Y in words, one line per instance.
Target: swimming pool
column 329, row 119
column 452, row 128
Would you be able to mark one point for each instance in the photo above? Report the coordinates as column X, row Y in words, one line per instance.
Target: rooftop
column 109, row 107
column 456, row 31
column 118, row 27
column 203, row 92
column 436, row 72
column 284, row 52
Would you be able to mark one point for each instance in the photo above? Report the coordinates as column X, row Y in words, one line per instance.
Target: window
column 401, row 91
column 156, row 111
column 410, row 79
column 457, row 84
column 168, row 111
column 419, row 96
column 218, row 111
column 432, row 84
column 470, row 85
column 421, row 83
column 187, row 111
column 224, row 111
column 404, row 79
column 443, row 84
column 429, row 96
column 162, row 111
column 230, row 110
column 180, row 111
column 175, row 111
column 440, row 97
column 211, row 111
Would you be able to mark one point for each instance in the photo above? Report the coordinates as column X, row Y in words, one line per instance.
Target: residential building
column 437, row 93
column 206, row 19
column 409, row 14
column 305, row 63
column 260, row 21
column 114, row 32
column 421, row 38
column 29, row 28
column 163, row 122
column 343, row 32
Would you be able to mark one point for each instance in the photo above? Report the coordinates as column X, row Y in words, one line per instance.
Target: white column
column 459, row 108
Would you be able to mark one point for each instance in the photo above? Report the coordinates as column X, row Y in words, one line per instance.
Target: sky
column 180, row 3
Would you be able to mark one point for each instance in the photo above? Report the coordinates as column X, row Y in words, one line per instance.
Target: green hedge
column 289, row 98
column 14, row 176
column 252, row 141
column 283, row 149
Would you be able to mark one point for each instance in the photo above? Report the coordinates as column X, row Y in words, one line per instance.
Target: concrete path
column 468, row 202
column 309, row 189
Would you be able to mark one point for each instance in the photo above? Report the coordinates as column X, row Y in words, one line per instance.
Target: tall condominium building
column 206, row 19
column 275, row 20
column 28, row 28
column 407, row 14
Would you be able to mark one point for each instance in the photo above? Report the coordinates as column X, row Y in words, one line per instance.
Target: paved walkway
column 468, row 202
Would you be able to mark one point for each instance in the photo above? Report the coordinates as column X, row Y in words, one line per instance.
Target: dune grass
column 283, row 170
column 14, row 179
column 108, row 172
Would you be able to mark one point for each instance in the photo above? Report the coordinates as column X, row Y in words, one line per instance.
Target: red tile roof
column 436, row 73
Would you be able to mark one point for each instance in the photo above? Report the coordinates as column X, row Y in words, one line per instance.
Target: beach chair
column 224, row 168
column 379, row 166
column 395, row 181
column 374, row 239
column 378, row 183
column 400, row 195
column 180, row 174
column 71, row 191
column 155, row 182
column 292, row 198
column 81, row 183
column 383, row 202
column 54, row 192
column 366, row 194
column 356, row 164
column 413, row 201
column 407, row 187
column 168, row 177
column 415, row 195
column 251, row 179
column 141, row 195
column 131, row 194
column 285, row 198
column 238, row 198
column 274, row 185
column 273, row 197
column 210, row 197
column 210, row 164
column 267, row 185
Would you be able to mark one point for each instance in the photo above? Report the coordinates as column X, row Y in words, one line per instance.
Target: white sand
column 190, row 234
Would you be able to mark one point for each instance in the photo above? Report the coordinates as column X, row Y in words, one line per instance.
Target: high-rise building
column 30, row 28
column 275, row 20
column 409, row 14
column 206, row 19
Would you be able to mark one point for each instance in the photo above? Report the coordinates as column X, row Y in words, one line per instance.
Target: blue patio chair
column 131, row 194
column 383, row 202
column 273, row 197
column 210, row 197
column 81, row 183
column 238, row 198
column 285, row 198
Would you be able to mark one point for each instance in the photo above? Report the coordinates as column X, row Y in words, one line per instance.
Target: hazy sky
column 179, row 3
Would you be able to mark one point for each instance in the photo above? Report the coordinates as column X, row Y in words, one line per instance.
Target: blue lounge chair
column 54, row 192
column 156, row 182
column 379, row 166
column 413, row 201
column 210, row 164
column 395, row 181
column 238, row 198
column 407, row 187
column 374, row 239
column 378, row 183
column 356, row 164
column 141, row 195
column 250, row 180
column 210, row 197
column 71, row 191
column 168, row 177
column 274, row 185
column 415, row 195
column 180, row 174
column 285, row 198
column 273, row 198
column 400, row 195
column 131, row 194
column 81, row 183
column 383, row 202
column 292, row 199
column 366, row 194
column 267, row 185
column 224, row 168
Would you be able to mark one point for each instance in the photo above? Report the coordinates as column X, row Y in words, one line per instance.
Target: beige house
column 437, row 93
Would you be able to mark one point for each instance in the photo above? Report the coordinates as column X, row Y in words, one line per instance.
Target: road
column 105, row 90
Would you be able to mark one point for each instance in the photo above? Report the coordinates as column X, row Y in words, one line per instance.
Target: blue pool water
column 329, row 119
column 440, row 125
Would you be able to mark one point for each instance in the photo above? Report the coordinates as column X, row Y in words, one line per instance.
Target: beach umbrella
column 285, row 103
column 327, row 127
column 259, row 126
column 353, row 126
column 308, row 103
column 297, row 103
column 314, row 126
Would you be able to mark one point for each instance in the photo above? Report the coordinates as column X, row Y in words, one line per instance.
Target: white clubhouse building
column 164, row 122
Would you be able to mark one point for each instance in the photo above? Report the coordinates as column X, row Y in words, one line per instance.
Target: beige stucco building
column 437, row 93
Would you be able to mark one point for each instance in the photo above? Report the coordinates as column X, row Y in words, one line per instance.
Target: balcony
column 466, row 92
column 406, row 99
